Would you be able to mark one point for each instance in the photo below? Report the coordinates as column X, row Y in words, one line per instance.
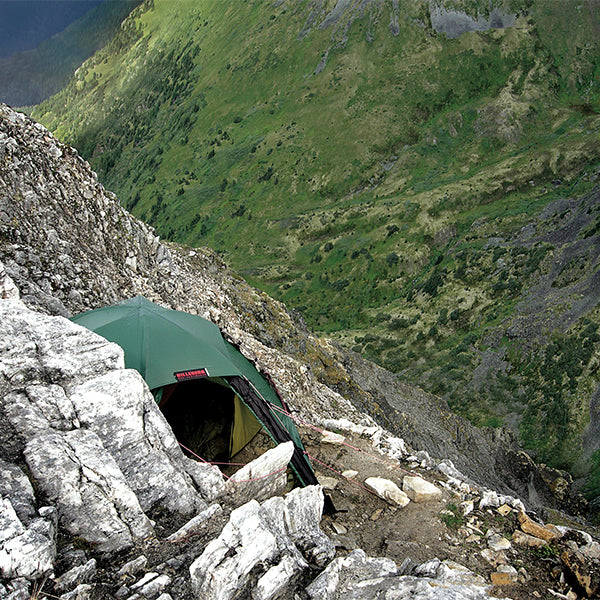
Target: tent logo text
column 194, row 374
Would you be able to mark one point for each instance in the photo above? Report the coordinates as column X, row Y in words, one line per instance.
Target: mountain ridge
column 30, row 76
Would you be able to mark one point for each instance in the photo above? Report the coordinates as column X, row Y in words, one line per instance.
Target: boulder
column 260, row 479
column 388, row 490
column 264, row 548
column 524, row 539
column 420, row 490
column 586, row 573
column 543, row 532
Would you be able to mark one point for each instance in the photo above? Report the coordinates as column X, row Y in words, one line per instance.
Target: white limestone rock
column 84, row 591
column 497, row 543
column 297, row 516
column 74, row 470
column 151, row 585
column 133, row 566
column 342, row 574
column 281, row 535
column 207, row 478
column 195, row 524
column 64, row 377
column 420, row 490
column 276, row 580
column 76, row 576
column 358, row 577
column 262, row 478
column 330, row 437
column 8, row 289
column 25, row 551
column 40, row 348
column 388, row 490
column 119, row 407
column 15, row 486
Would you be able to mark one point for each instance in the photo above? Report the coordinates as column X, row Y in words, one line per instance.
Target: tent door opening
column 208, row 417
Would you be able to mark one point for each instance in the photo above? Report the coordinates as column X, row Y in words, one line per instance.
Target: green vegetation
column 30, row 77
column 452, row 517
column 394, row 186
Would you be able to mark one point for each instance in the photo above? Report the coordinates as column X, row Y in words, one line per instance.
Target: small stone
column 466, row 507
column 339, row 528
column 420, row 490
column 81, row 592
column 473, row 538
column 544, row 532
column 328, row 483
column 524, row 576
column 497, row 543
column 489, row 498
column 494, row 558
column 133, row 566
column 524, row 539
column 195, row 525
column 75, row 576
column 376, row 514
column 504, row 575
column 151, row 585
column 350, row 474
column 122, row 592
column 504, row 509
column 387, row 490
column 591, row 551
column 329, row 437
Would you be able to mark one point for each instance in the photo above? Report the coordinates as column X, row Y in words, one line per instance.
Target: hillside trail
column 423, row 531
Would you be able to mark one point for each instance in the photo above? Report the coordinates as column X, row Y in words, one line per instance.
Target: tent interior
column 208, row 417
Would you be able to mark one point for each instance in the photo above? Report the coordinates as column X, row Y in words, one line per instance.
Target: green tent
column 183, row 355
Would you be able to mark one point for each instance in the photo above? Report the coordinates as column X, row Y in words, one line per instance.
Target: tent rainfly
column 183, row 355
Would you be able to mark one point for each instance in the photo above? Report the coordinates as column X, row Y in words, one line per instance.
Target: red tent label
column 193, row 374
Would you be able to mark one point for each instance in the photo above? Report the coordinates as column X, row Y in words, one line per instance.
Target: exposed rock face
column 95, row 502
column 359, row 577
column 281, row 535
column 89, row 430
column 454, row 23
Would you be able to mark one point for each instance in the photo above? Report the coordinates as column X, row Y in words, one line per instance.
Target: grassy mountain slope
column 32, row 76
column 401, row 189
